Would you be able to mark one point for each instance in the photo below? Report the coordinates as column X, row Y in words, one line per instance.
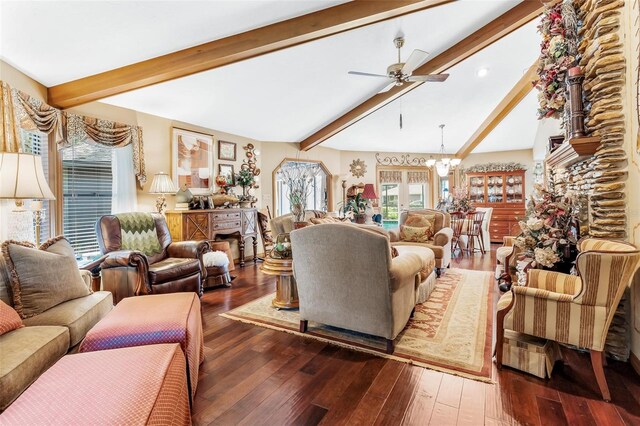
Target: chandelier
column 444, row 163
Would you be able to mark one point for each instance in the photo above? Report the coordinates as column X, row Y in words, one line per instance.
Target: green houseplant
column 356, row 206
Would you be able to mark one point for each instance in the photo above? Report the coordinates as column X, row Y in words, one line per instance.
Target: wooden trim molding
column 235, row 48
column 505, row 24
column 506, row 105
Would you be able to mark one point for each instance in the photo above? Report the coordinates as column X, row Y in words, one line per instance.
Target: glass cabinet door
column 495, row 186
column 515, row 189
column 476, row 189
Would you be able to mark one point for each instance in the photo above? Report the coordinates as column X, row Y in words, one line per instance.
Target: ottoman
column 427, row 274
column 153, row 319
column 144, row 385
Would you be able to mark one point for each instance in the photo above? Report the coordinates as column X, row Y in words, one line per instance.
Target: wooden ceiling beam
column 228, row 50
column 505, row 24
column 506, row 105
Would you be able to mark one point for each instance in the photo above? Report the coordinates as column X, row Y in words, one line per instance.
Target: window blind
column 87, row 185
column 35, row 142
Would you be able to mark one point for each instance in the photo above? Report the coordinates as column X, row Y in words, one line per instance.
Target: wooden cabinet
column 502, row 191
column 241, row 224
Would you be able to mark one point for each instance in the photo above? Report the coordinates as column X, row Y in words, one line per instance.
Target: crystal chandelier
column 444, row 163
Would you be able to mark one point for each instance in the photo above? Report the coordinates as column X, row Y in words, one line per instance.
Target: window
column 35, row 142
column 401, row 189
column 87, row 184
column 317, row 197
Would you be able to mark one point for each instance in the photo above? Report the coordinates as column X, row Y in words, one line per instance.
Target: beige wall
column 20, row 81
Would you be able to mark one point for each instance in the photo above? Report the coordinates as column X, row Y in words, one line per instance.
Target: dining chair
column 457, row 224
column 473, row 231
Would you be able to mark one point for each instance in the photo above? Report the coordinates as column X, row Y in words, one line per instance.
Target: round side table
column 286, row 289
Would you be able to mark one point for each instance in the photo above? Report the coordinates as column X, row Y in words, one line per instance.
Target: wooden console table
column 185, row 225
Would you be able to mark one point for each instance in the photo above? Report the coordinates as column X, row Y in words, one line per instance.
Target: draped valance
column 390, row 176
column 20, row 110
column 418, row 177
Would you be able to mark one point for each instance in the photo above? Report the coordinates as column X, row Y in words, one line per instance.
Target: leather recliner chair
column 177, row 268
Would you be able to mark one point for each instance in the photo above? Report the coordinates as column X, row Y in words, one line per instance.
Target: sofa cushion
column 427, row 258
column 27, row 353
column 321, row 220
column 42, row 278
column 78, row 315
column 438, row 251
column 420, row 220
column 9, row 319
column 416, row 234
column 172, row 268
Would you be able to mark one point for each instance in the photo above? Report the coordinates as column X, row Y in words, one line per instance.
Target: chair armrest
column 443, row 237
column 508, row 241
column 394, row 235
column 86, row 278
column 537, row 293
column 130, row 258
column 188, row 249
column 404, row 270
column 554, row 281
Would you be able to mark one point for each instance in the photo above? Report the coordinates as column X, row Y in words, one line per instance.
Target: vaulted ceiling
column 289, row 94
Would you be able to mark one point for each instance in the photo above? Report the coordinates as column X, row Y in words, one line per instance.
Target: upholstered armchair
column 347, row 278
column 441, row 242
column 575, row 310
column 506, row 259
column 282, row 224
column 142, row 258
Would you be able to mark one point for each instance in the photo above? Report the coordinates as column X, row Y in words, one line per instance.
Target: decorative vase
column 297, row 210
column 245, row 204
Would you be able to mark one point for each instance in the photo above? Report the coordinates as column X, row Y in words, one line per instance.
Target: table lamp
column 369, row 193
column 22, row 178
column 162, row 185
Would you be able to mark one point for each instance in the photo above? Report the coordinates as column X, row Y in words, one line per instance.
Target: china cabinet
column 505, row 193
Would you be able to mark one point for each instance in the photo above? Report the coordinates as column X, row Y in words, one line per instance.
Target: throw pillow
column 416, row 234
column 420, row 220
column 42, row 278
column 321, row 220
column 9, row 319
column 138, row 232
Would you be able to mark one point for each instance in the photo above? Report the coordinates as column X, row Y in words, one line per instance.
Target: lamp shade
column 22, row 177
column 162, row 184
column 369, row 192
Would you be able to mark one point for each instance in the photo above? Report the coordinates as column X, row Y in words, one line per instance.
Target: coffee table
column 286, row 288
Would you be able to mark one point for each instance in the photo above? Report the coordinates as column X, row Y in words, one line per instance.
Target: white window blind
column 87, row 185
column 35, row 142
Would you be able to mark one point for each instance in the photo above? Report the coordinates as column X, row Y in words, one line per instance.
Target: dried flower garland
column 495, row 167
column 558, row 28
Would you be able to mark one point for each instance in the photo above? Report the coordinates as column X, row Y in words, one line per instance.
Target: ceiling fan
column 402, row 72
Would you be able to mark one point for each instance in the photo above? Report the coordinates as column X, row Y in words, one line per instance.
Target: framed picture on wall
column 192, row 160
column 227, row 171
column 226, row 151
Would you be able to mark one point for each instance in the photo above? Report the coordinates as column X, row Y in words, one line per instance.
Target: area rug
column 450, row 332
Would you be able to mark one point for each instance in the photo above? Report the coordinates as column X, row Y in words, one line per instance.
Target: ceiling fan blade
column 367, row 74
column 430, row 77
column 416, row 59
column 388, row 87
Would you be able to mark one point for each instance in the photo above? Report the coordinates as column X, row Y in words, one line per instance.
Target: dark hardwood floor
column 254, row 376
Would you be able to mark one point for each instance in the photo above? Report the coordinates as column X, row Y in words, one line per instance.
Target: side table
column 93, row 266
column 286, row 288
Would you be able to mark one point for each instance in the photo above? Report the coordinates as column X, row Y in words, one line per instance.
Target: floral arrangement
column 558, row 28
column 460, row 200
column 298, row 177
column 547, row 233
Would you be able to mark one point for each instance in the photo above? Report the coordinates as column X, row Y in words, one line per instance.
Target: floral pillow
column 9, row 319
column 415, row 234
column 420, row 220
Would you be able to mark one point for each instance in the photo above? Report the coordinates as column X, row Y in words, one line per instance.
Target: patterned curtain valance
column 20, row 110
column 418, row 177
column 390, row 176
column 9, row 140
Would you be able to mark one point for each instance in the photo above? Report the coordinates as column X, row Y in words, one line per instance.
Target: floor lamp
column 22, row 178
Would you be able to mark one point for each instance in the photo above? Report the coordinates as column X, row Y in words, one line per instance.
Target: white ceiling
column 286, row 95
column 462, row 103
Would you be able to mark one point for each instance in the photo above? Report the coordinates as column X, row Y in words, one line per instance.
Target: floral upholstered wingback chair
column 575, row 310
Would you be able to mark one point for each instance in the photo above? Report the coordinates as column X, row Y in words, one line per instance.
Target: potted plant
column 357, row 206
column 245, row 179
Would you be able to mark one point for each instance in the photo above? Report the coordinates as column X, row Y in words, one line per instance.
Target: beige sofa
column 284, row 224
column 441, row 243
column 29, row 351
column 347, row 278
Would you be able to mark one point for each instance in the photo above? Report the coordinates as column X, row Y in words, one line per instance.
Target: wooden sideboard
column 505, row 193
column 240, row 224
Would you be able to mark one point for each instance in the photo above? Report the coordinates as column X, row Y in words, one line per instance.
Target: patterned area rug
column 450, row 332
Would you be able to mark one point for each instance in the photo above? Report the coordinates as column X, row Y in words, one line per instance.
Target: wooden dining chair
column 457, row 224
column 473, row 228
